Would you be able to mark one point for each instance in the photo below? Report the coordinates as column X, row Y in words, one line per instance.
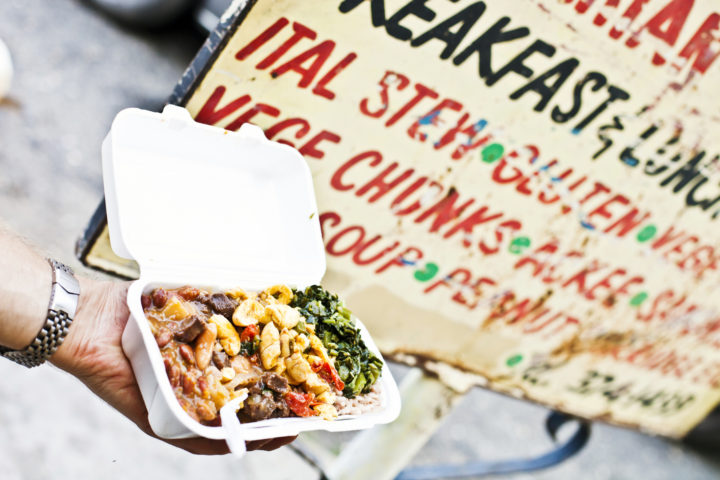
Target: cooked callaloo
column 294, row 353
column 357, row 366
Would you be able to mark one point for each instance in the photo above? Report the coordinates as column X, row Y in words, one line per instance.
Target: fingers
column 201, row 446
column 270, row 443
column 257, row 444
column 196, row 445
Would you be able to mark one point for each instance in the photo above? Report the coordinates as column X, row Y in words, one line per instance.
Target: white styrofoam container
column 198, row 205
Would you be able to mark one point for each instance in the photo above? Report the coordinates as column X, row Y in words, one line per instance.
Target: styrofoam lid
column 185, row 197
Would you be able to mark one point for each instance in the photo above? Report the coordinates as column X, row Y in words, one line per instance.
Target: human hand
column 92, row 352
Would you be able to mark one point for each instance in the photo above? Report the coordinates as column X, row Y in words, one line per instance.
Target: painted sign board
column 524, row 190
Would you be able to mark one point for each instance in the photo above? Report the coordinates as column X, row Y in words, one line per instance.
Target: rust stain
column 610, row 301
column 543, row 8
column 10, row 103
column 604, row 344
column 508, row 303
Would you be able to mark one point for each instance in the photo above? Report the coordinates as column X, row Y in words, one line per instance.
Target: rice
column 360, row 404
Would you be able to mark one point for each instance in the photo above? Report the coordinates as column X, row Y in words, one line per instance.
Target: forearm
column 92, row 348
column 25, row 285
column 25, row 281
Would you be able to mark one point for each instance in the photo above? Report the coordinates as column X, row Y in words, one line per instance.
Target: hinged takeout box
column 198, row 205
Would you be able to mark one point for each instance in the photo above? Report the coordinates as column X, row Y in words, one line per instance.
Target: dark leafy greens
column 250, row 347
column 357, row 366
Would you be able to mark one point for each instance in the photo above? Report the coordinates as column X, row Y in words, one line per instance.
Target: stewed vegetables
column 290, row 356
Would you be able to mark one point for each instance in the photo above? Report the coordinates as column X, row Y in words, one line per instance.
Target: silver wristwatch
column 61, row 311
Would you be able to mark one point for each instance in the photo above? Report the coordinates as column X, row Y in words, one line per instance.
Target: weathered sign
column 525, row 190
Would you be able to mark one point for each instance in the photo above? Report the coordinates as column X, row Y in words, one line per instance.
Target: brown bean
column 202, row 384
column 159, row 297
column 188, row 384
column 188, row 293
column 188, row 407
column 145, row 301
column 163, row 336
column 204, row 346
column 174, row 376
column 205, row 412
column 167, row 361
column 187, row 353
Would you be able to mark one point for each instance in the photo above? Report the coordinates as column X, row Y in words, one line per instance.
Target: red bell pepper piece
column 249, row 333
column 300, row 403
column 328, row 373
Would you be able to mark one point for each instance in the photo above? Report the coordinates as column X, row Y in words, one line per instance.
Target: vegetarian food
column 357, row 366
column 294, row 353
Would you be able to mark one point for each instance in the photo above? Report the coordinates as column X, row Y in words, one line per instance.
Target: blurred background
column 75, row 67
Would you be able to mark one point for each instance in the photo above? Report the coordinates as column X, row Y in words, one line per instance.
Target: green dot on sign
column 646, row 233
column 431, row 269
column 514, row 360
column 518, row 245
column 638, row 299
column 492, row 152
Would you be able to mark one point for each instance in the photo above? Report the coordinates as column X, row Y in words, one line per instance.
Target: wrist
column 25, row 299
column 99, row 301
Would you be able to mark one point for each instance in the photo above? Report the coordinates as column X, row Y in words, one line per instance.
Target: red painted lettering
column 300, row 32
column 321, row 87
column 627, row 223
column 285, row 124
column 432, row 117
column 262, row 39
column 700, row 46
column 211, row 115
column 360, row 249
column 310, row 149
column 337, row 179
column 252, row 113
column 394, row 77
column 514, row 225
column 444, row 211
column 468, row 224
column 383, row 186
column 602, row 208
column 317, row 56
column 332, row 248
column 422, row 93
column 328, row 217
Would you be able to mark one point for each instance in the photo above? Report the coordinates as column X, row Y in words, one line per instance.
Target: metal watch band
column 61, row 311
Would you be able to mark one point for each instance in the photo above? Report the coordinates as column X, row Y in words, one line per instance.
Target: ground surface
column 75, row 70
